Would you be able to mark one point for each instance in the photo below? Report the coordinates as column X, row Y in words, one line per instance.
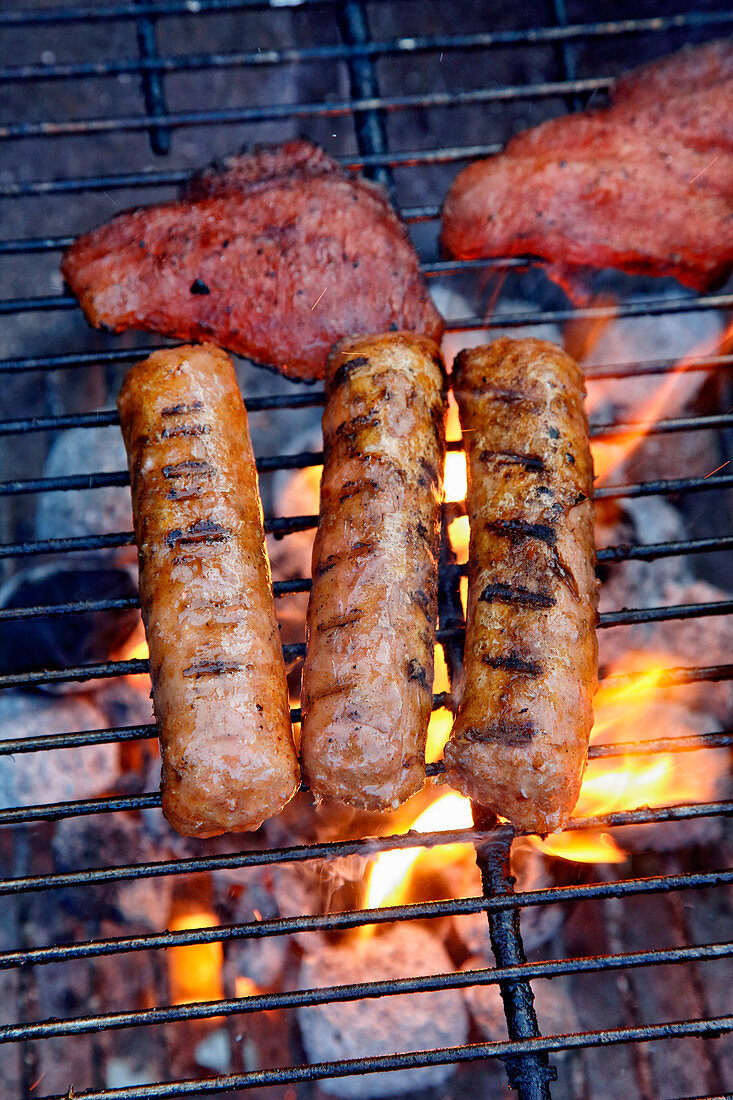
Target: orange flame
column 194, row 971
column 387, row 883
column 630, row 781
column 611, row 453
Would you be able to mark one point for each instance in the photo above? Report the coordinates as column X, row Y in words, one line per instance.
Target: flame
column 388, row 880
column 194, row 972
column 629, row 712
column 139, row 652
column 245, row 987
column 610, row 454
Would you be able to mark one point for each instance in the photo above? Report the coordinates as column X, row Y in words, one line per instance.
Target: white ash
column 215, row 1052
column 122, row 1072
column 248, row 894
column 388, row 1025
column 539, row 923
column 81, row 512
column 553, row 1004
column 124, row 704
column 56, row 775
column 81, row 842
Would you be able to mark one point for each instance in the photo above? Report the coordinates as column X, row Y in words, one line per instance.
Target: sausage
column 520, row 737
column 219, row 689
column 368, row 673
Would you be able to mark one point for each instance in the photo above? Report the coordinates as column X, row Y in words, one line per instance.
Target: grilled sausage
column 368, row 674
column 219, row 689
column 519, row 742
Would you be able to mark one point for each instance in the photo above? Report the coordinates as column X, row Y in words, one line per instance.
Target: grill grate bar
column 90, row 127
column 269, row 463
column 156, row 177
column 365, row 848
column 292, row 651
column 356, row 49
column 693, row 741
column 108, row 417
column 516, row 974
column 711, row 1028
column 282, row 588
column 614, row 554
column 127, row 355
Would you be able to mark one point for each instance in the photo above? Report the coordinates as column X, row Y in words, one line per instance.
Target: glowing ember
column 194, row 972
column 441, row 719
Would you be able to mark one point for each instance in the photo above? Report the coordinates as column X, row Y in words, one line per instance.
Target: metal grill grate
column 374, row 123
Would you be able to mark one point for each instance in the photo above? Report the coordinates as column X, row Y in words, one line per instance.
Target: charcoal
column 369, row 1028
column 59, row 775
column 79, row 512
column 554, row 1007
column 66, row 640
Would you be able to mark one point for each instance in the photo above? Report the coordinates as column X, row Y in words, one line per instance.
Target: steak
column 274, row 256
column 645, row 185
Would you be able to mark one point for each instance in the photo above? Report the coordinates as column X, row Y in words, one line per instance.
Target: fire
column 195, row 971
column 388, row 880
column 441, row 719
column 610, row 454
column 630, row 712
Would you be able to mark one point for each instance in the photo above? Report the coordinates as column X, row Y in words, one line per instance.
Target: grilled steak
column 645, row 185
column 275, row 257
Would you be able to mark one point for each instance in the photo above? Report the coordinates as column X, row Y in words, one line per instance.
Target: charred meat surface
column 368, row 674
column 520, row 739
column 219, row 689
column 275, row 257
column 645, row 185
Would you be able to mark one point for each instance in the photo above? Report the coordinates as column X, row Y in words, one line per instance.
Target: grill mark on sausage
column 512, row 662
column 345, row 370
column 334, row 689
column 185, row 430
column 182, row 408
column 505, row 593
column 417, row 671
column 422, row 600
column 334, row 559
column 215, row 667
column 190, row 492
column 353, row 488
column 203, row 531
column 507, row 396
column 190, row 466
column 530, row 462
column 518, row 529
column 340, row 621
column 561, row 570
column 511, row 734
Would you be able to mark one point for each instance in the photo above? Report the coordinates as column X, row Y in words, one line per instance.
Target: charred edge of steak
column 512, row 662
column 530, row 462
column 505, row 593
column 203, row 531
column 511, row 734
column 517, row 530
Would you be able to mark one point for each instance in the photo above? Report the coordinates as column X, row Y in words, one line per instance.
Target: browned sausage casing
column 368, row 675
column 520, row 739
column 219, row 688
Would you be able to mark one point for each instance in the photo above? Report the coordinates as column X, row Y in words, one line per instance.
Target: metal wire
column 525, row 1052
